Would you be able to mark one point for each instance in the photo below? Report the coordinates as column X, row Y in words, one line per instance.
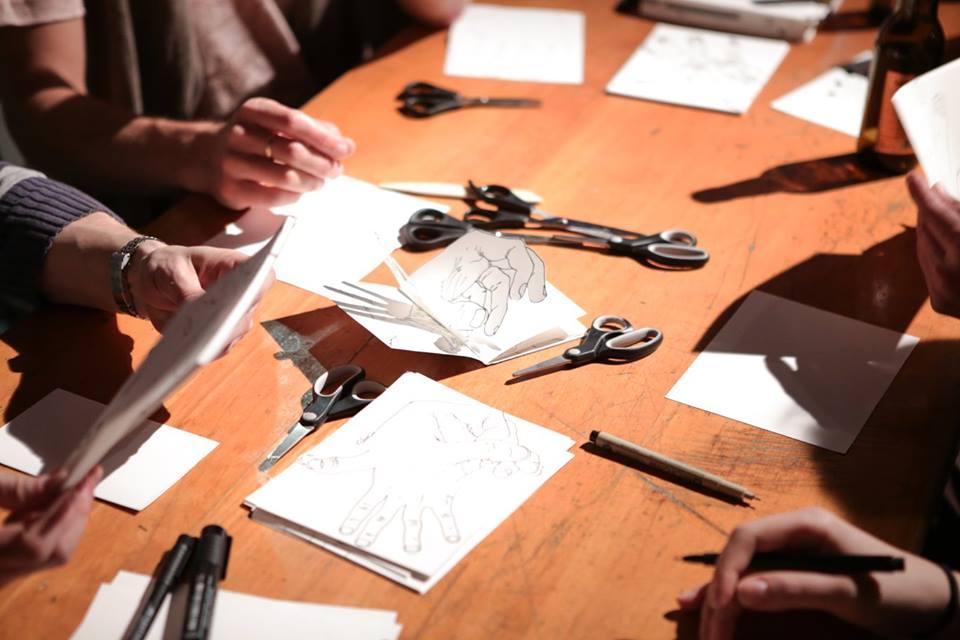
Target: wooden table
column 592, row 554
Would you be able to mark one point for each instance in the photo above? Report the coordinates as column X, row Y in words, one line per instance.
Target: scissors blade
column 546, row 366
column 510, row 102
column 294, row 436
column 448, row 190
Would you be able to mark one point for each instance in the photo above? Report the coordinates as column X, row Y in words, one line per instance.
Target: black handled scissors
column 432, row 229
column 422, row 100
column 610, row 339
column 337, row 393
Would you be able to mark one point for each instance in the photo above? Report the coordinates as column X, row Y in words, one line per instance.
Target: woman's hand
column 938, row 243
column 907, row 602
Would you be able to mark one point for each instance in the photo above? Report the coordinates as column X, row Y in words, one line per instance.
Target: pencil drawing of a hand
column 491, row 273
column 440, row 450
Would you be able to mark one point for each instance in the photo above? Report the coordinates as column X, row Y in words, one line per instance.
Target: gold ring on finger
column 268, row 149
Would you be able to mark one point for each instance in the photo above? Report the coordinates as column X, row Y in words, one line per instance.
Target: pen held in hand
column 838, row 564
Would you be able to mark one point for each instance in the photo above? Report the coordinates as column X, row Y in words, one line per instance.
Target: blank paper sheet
column 795, row 370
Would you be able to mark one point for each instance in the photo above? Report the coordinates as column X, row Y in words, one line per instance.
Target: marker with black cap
column 209, row 567
column 172, row 568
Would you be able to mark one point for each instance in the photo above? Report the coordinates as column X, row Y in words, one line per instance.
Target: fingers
column 530, row 274
column 296, row 125
column 496, row 284
column 267, row 173
column 361, row 511
column 18, row 492
column 464, row 276
column 256, row 142
column 785, row 591
column 244, row 194
column 211, row 263
column 448, row 524
column 412, row 527
column 693, row 598
column 379, row 518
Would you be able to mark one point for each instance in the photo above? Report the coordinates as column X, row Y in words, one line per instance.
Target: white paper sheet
column 929, row 109
column 517, row 43
column 344, row 231
column 483, row 297
column 138, row 470
column 699, row 68
column 236, row 616
column 416, row 479
column 834, row 99
column 795, row 370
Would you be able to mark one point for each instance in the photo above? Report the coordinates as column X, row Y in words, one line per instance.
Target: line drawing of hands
column 444, row 445
column 491, row 272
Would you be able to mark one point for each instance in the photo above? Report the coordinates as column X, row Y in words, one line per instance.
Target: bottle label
column 891, row 138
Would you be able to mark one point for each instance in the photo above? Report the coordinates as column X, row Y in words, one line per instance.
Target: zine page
column 794, row 370
column 699, row 68
column 415, row 480
column 483, row 297
column 929, row 109
column 517, row 43
column 344, row 231
column 833, row 99
column 137, row 471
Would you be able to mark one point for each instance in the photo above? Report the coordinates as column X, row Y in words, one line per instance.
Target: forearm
column 440, row 13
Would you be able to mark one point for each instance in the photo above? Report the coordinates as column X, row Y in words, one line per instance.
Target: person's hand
column 164, row 277
column 489, row 274
column 938, row 243
column 45, row 521
column 268, row 154
column 908, row 602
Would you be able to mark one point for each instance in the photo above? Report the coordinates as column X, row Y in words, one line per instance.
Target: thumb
column 789, row 590
column 180, row 284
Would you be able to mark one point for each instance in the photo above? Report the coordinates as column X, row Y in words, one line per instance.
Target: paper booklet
column 484, row 297
column 929, row 109
column 413, row 482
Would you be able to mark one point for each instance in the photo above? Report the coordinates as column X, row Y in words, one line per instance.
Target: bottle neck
column 917, row 9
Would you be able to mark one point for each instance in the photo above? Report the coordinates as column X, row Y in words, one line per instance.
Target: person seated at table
column 920, row 601
column 152, row 98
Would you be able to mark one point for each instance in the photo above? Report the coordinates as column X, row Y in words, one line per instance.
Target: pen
column 840, row 564
column 209, row 568
column 669, row 466
column 170, row 571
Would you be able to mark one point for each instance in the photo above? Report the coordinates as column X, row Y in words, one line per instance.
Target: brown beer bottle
column 909, row 44
column 879, row 10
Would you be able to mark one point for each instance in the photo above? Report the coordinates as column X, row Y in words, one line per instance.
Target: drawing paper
column 137, row 471
column 344, row 231
column 699, row 68
column 795, row 370
column 467, row 301
column 834, row 99
column 929, row 109
column 414, row 481
column 236, row 616
column 517, row 43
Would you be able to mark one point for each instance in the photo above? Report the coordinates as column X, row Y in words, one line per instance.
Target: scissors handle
column 496, row 218
column 363, row 393
column 630, row 345
column 601, row 330
column 671, row 248
column 431, row 229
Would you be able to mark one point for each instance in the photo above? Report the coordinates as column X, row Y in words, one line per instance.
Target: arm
column 438, row 13
column 64, row 130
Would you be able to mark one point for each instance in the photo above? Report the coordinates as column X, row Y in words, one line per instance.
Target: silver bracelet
column 119, row 263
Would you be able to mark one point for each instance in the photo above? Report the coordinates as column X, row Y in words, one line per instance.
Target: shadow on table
column 807, row 625
column 808, row 176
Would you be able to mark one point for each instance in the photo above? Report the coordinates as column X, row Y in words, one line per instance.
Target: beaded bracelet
column 119, row 263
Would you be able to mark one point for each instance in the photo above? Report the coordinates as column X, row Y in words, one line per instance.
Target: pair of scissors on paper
column 430, row 229
column 610, row 339
column 337, row 393
column 422, row 100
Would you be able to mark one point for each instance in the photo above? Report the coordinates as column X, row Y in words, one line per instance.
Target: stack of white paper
column 834, row 99
column 343, row 232
column 137, row 471
column 699, row 68
column 517, row 43
column 929, row 108
column 484, row 297
column 412, row 483
column 236, row 616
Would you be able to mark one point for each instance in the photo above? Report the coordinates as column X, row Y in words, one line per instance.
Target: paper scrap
column 834, row 99
column 414, row 481
column 137, row 471
column 517, row 43
column 699, row 68
column 795, row 370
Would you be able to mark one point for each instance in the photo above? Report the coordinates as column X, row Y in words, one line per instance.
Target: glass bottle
column 910, row 43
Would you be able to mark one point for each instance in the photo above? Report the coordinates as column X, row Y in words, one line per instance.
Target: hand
column 490, row 273
column 938, row 243
column 162, row 277
column 45, row 522
column 907, row 603
column 267, row 155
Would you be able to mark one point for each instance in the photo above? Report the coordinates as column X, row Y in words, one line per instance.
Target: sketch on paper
column 453, row 443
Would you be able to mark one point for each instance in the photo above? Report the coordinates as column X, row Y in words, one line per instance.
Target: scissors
column 610, row 339
column 431, row 229
column 422, row 100
column 337, row 393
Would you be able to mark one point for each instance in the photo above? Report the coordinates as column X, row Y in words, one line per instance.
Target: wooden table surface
column 780, row 206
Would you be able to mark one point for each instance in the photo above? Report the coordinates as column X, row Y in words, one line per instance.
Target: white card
column 416, row 479
column 344, row 231
column 517, row 43
column 795, row 370
column 137, row 471
column 834, row 99
column 699, row 68
column 929, row 109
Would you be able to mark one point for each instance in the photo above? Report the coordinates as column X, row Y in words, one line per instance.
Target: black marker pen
column 172, row 568
column 209, row 567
